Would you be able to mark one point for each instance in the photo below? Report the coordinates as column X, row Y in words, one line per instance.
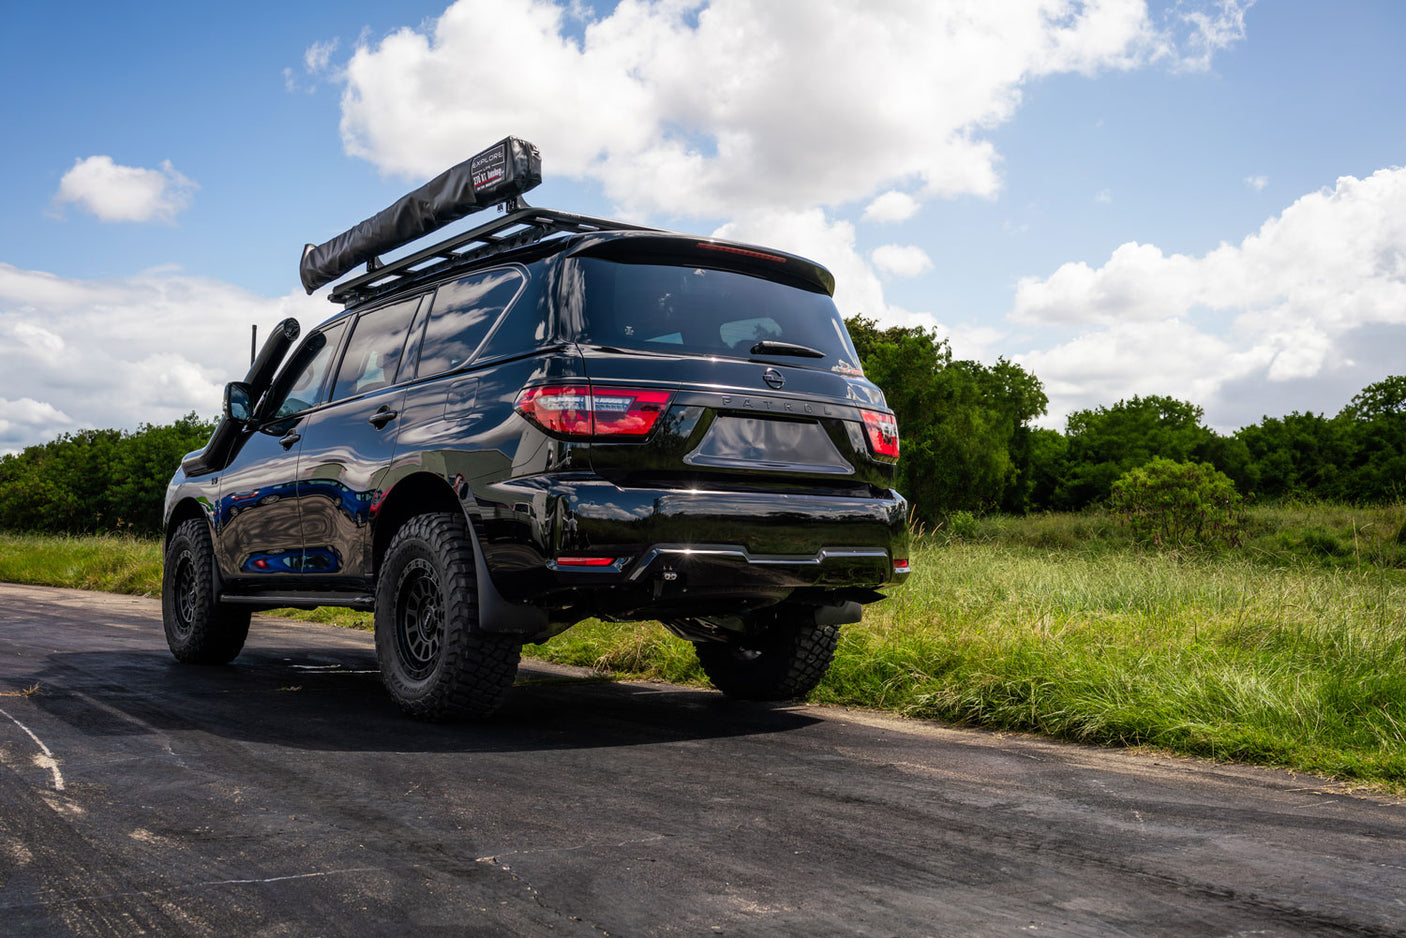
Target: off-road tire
column 783, row 661
column 435, row 662
column 198, row 628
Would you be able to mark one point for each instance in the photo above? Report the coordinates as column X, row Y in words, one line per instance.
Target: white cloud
column 891, row 206
column 901, row 260
column 713, row 110
column 114, row 192
column 1286, row 305
column 317, row 65
column 1210, row 30
column 1257, row 182
column 79, row 354
column 1104, row 197
column 26, row 421
column 318, row 55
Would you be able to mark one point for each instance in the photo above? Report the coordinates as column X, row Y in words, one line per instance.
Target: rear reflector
column 585, row 561
column 900, row 566
column 579, row 410
column 882, row 430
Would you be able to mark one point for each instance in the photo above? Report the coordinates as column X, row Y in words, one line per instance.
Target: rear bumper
column 584, row 543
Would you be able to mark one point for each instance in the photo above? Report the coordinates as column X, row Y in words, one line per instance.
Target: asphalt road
column 284, row 795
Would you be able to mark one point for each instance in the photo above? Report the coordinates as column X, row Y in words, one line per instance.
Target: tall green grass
column 1222, row 656
column 112, row 563
column 1280, row 652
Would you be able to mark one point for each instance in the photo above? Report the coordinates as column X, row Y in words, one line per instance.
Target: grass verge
column 1283, row 655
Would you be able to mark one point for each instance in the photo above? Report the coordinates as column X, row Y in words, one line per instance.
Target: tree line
column 969, row 443
column 96, row 480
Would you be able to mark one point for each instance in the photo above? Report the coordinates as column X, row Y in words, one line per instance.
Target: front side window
column 372, row 359
column 302, row 384
column 462, row 314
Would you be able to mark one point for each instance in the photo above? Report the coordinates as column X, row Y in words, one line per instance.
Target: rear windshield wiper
column 767, row 347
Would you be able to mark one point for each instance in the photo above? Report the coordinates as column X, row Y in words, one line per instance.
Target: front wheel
column 198, row 629
column 435, row 662
column 783, row 661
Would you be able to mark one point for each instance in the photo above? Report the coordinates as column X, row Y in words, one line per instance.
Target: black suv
column 548, row 418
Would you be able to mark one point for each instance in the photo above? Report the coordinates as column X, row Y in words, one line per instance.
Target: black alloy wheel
column 419, row 618
column 199, row 629
column 435, row 661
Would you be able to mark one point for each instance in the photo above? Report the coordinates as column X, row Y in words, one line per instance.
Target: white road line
column 161, row 890
column 48, row 760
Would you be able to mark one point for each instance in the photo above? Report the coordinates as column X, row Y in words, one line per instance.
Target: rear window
column 705, row 311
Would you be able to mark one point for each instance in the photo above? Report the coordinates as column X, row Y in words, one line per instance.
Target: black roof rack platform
column 522, row 225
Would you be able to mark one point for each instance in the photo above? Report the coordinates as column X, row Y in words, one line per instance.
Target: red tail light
column 579, row 410
column 883, row 433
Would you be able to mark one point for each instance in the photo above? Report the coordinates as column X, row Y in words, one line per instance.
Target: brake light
column 579, row 410
column 900, row 566
column 882, row 430
column 741, row 252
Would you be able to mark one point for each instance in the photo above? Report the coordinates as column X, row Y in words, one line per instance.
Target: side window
column 374, row 350
column 524, row 327
column 301, row 384
column 462, row 314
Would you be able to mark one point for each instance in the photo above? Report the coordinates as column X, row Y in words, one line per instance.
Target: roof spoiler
column 499, row 174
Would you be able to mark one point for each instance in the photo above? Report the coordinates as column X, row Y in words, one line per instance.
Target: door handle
column 289, row 438
column 382, row 417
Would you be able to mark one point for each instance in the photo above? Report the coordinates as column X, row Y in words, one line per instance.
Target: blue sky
column 1198, row 198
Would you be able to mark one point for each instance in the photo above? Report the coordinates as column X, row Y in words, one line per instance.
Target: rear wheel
column 198, row 629
column 434, row 660
column 782, row 661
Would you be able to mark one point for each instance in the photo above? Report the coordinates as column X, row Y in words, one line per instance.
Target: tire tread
column 477, row 668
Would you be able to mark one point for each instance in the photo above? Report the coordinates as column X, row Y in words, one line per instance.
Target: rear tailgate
column 762, row 424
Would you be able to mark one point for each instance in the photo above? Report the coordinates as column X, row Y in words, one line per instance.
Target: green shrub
column 1174, row 504
column 961, row 526
column 1324, row 543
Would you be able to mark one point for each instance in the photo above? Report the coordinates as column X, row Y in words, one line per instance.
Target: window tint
column 374, row 349
column 301, row 384
column 712, row 312
column 463, row 313
column 524, row 328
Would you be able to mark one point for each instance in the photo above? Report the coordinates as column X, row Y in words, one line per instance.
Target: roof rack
column 521, row 226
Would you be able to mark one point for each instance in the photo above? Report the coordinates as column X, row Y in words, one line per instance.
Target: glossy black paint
column 744, row 494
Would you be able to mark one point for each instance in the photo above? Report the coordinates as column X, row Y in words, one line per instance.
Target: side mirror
column 238, row 407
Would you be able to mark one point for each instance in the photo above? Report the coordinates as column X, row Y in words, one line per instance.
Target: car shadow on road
column 332, row 700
